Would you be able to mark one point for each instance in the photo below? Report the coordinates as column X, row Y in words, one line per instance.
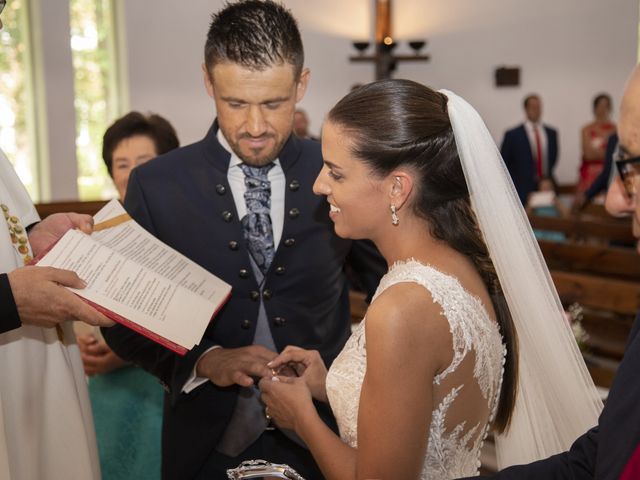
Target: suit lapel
column 215, row 154
column 524, row 138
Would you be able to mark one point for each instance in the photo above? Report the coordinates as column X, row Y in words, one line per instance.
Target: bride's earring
column 394, row 215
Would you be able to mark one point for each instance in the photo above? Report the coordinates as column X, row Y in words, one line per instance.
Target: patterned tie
column 256, row 224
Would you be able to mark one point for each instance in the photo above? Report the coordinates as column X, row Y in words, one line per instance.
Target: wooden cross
column 384, row 60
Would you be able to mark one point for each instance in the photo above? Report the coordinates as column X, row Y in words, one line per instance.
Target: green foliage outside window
column 93, row 52
column 17, row 119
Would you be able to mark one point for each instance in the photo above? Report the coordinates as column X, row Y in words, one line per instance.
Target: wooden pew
column 89, row 208
column 617, row 296
column 585, row 228
column 609, row 306
column 603, row 280
column 621, row 263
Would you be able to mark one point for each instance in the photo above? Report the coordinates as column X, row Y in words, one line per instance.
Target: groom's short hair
column 254, row 34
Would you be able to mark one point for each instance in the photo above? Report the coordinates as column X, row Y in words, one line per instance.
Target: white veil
column 557, row 400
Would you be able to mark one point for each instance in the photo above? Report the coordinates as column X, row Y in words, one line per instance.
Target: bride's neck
column 411, row 239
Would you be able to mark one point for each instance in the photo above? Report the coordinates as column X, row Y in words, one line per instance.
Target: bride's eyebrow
column 332, row 165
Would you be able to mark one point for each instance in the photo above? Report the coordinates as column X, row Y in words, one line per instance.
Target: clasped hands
column 288, row 381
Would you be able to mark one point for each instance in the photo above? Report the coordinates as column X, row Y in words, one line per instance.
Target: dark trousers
column 273, row 447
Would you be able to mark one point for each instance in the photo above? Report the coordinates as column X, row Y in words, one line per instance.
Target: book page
column 132, row 291
column 133, row 242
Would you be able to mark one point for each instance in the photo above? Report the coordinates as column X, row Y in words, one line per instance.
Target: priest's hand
column 52, row 228
column 235, row 366
column 42, row 300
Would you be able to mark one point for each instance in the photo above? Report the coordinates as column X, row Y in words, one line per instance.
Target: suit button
column 289, row 242
column 280, row 270
column 294, row 213
column 233, row 245
column 245, row 324
column 267, row 294
column 254, row 295
column 294, row 185
column 227, row 216
column 279, row 321
column 220, row 189
column 243, row 273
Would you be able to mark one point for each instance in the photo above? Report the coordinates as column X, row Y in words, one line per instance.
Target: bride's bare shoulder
column 405, row 315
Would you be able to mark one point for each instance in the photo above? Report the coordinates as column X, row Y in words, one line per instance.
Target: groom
column 610, row 450
column 240, row 203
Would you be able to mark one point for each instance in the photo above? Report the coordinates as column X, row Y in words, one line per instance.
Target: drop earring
column 394, row 215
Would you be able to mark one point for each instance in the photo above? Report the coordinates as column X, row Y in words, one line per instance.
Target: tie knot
column 259, row 173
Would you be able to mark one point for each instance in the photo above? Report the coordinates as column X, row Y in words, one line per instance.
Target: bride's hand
column 308, row 364
column 287, row 400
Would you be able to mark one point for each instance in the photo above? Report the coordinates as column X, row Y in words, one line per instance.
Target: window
column 96, row 96
column 17, row 109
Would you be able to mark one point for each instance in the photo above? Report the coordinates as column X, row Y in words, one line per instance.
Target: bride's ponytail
column 455, row 224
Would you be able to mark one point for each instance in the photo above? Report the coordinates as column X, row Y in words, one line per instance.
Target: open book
column 138, row 281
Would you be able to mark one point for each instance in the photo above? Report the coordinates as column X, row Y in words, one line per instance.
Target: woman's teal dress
column 127, row 410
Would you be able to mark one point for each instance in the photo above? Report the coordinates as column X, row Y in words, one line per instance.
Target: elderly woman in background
column 126, row 401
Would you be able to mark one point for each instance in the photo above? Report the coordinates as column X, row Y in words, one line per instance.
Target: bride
column 465, row 333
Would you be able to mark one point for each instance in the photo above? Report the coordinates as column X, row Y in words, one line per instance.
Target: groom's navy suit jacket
column 603, row 452
column 518, row 157
column 184, row 199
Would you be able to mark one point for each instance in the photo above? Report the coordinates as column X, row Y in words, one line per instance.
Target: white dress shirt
column 235, row 177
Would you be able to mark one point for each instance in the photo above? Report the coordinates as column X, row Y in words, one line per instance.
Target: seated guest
column 544, row 203
column 126, row 401
column 530, row 150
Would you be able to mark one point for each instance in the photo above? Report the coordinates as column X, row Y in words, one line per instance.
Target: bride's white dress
column 465, row 394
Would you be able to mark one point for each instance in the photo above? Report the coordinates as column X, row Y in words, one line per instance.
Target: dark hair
column 394, row 123
column 602, row 96
column 254, row 34
column 134, row 123
column 531, row 96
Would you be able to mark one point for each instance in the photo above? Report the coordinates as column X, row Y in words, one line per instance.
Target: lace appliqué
column 452, row 451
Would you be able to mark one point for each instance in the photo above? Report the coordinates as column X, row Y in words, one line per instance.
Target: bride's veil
column 557, row 400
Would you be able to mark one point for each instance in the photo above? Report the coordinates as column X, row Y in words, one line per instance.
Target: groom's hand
column 228, row 366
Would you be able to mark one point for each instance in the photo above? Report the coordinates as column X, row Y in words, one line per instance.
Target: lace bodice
column 465, row 394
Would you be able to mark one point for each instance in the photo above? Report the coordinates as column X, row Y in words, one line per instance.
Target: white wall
column 568, row 51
